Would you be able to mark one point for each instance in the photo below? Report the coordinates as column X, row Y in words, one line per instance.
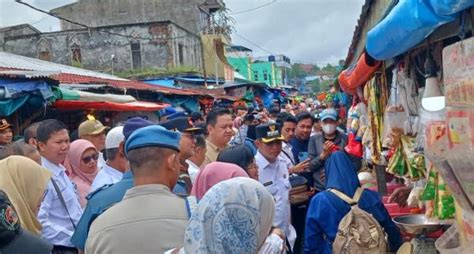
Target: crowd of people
column 229, row 181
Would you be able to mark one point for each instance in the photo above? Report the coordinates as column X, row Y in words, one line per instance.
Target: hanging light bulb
column 433, row 99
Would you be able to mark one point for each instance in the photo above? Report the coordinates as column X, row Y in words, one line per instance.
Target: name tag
column 268, row 183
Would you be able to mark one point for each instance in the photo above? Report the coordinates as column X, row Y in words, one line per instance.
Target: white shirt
column 287, row 154
column 274, row 176
column 193, row 170
column 101, row 161
column 107, row 175
column 57, row 227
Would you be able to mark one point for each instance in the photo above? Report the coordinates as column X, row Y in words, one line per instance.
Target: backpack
column 358, row 231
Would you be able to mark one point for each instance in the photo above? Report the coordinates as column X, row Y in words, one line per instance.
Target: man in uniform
column 6, row 133
column 187, row 146
column 273, row 174
column 149, row 209
column 60, row 209
column 107, row 195
column 219, row 126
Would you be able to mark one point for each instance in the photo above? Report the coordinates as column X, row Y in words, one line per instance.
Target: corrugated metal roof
column 28, row 74
column 8, row 60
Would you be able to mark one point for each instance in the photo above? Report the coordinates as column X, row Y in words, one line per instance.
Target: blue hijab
column 340, row 174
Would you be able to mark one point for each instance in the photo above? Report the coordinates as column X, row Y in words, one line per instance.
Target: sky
column 307, row 31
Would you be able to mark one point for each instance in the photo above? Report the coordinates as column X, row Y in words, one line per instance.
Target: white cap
column 114, row 137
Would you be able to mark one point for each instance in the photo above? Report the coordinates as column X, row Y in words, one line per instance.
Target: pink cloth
column 214, row 173
column 72, row 163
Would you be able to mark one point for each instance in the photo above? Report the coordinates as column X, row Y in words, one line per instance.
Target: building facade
column 113, row 48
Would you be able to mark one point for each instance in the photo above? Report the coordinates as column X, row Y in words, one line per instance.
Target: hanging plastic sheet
column 409, row 23
column 267, row 97
column 15, row 88
column 189, row 102
column 9, row 106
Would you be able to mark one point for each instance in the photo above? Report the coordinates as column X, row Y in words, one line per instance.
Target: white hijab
column 235, row 216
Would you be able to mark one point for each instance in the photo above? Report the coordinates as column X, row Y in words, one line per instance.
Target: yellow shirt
column 211, row 153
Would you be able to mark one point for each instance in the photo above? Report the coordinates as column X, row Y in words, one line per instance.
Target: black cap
column 181, row 124
column 269, row 132
column 196, row 116
column 13, row 239
column 274, row 111
column 134, row 124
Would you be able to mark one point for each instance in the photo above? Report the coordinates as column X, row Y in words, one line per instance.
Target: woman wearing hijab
column 81, row 165
column 214, row 173
column 25, row 182
column 327, row 210
column 241, row 156
column 235, row 216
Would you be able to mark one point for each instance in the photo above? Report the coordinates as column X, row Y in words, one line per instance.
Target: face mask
column 329, row 128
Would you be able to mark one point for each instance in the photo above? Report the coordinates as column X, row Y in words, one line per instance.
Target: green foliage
column 77, row 64
column 155, row 72
column 297, row 72
column 320, row 86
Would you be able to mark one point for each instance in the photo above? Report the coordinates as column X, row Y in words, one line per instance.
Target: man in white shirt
column 94, row 131
column 112, row 171
column 274, row 175
column 197, row 159
column 60, row 210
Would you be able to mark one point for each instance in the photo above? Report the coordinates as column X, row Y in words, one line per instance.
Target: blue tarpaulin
column 161, row 82
column 189, row 102
column 409, row 23
column 14, row 88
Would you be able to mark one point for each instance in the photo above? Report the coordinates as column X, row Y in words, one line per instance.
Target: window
column 136, row 55
column 255, row 75
column 265, row 75
column 44, row 55
column 180, row 54
column 76, row 54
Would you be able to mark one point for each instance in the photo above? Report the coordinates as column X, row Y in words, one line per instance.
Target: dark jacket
column 315, row 148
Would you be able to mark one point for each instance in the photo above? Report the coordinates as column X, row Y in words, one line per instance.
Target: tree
column 297, row 72
column 315, row 69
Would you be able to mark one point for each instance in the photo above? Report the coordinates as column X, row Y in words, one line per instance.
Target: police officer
column 273, row 174
column 106, row 196
column 187, row 146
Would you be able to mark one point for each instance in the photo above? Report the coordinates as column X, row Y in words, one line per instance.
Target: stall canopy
column 409, row 23
column 66, row 99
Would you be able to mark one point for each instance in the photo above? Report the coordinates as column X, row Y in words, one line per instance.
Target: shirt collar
column 191, row 163
column 261, row 160
column 146, row 190
column 213, row 147
column 112, row 171
column 287, row 146
column 54, row 168
column 127, row 175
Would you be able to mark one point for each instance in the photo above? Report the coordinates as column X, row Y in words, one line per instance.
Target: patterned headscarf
column 235, row 216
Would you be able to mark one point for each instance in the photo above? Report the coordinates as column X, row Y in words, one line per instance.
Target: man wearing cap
column 273, row 174
column 187, row 146
column 116, row 164
column 150, row 218
column 94, row 131
column 6, row 133
column 322, row 145
column 13, row 238
column 106, row 196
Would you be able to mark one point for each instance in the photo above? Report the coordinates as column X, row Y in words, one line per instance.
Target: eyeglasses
column 88, row 159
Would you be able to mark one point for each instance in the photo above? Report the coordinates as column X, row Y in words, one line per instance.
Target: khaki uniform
column 149, row 219
column 211, row 153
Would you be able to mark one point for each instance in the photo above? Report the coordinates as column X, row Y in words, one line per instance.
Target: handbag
column 299, row 193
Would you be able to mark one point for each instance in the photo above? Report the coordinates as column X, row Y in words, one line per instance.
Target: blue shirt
column 300, row 149
column 99, row 201
column 57, row 227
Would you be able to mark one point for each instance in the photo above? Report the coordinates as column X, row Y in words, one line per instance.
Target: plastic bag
column 444, row 203
column 396, row 164
column 394, row 116
column 415, row 162
column 429, row 193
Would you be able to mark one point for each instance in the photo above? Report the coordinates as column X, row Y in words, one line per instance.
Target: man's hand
column 328, row 147
column 300, row 167
column 400, row 196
